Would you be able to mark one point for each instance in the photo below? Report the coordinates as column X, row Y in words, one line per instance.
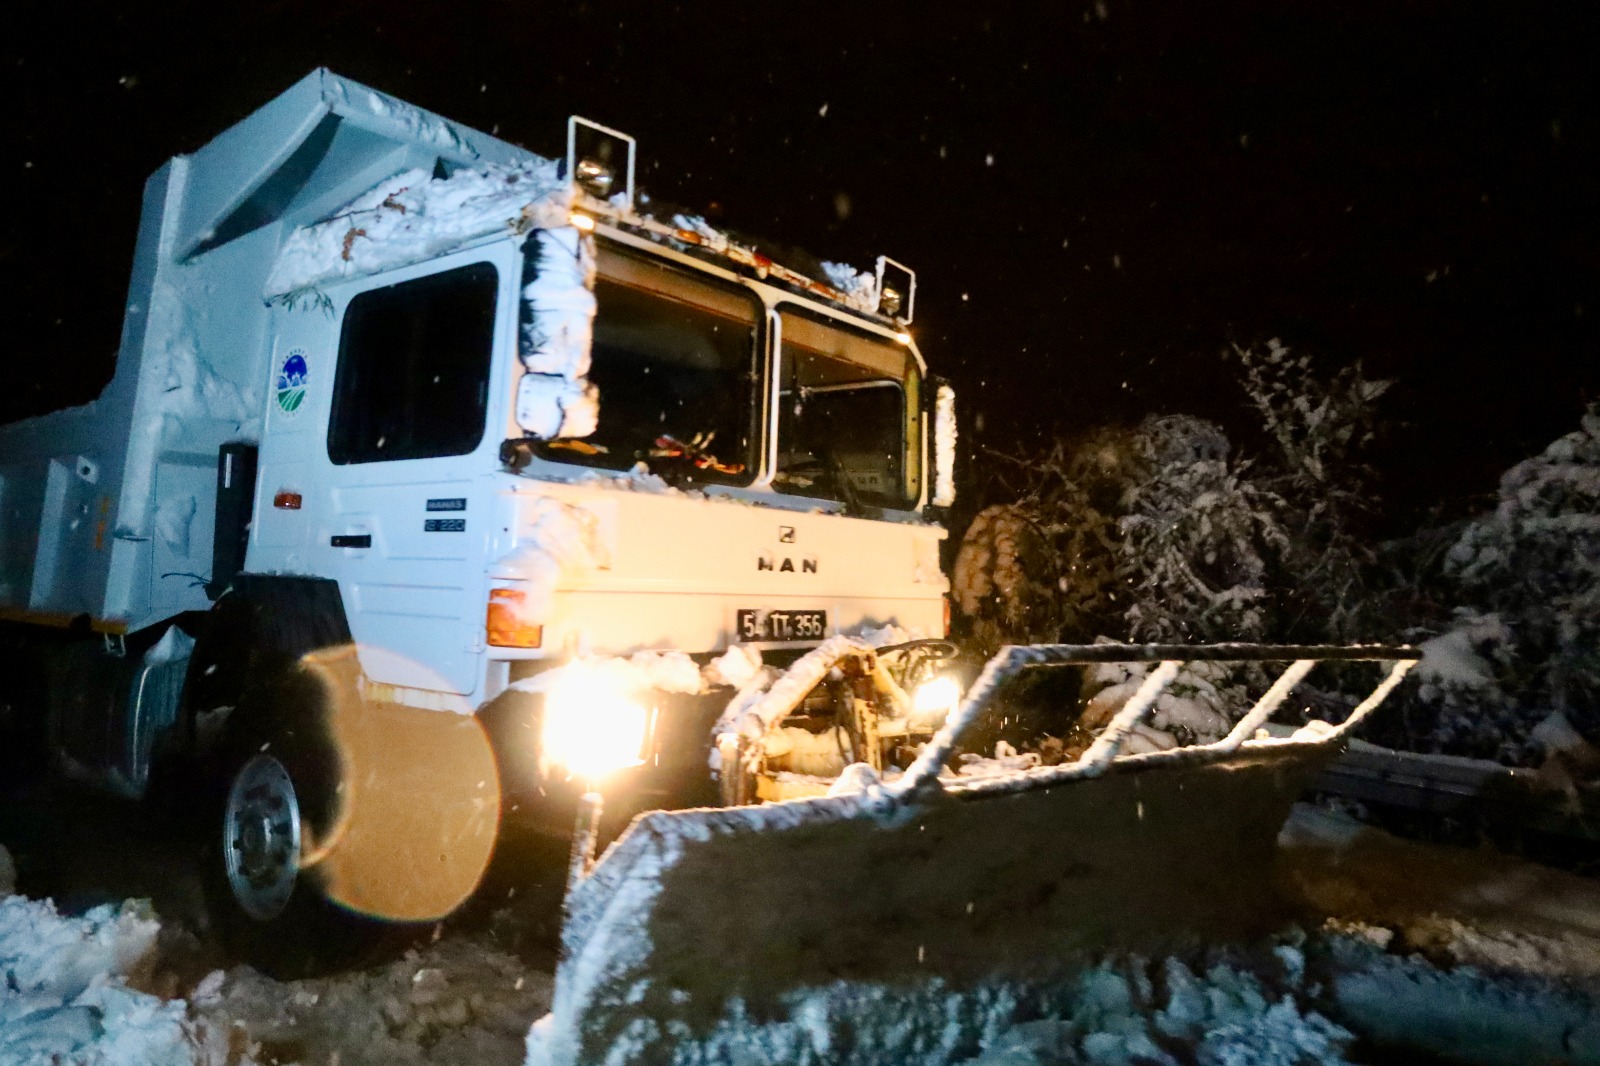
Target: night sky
column 1097, row 199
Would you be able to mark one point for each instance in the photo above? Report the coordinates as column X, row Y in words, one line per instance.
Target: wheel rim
column 261, row 837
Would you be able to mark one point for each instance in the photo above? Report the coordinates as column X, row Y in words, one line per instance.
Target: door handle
column 351, row 540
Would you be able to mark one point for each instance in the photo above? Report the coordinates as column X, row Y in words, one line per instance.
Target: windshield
column 849, row 416
column 674, row 359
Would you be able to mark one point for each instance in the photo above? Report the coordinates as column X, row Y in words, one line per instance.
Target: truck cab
column 755, row 473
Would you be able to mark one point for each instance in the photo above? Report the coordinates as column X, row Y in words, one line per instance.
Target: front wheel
column 261, row 838
column 276, row 807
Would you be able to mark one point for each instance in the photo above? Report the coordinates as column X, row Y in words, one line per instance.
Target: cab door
column 396, row 458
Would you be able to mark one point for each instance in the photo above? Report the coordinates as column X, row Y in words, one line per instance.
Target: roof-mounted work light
column 897, row 290
column 600, row 162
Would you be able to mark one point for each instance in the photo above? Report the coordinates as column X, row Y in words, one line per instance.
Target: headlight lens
column 935, row 698
column 592, row 725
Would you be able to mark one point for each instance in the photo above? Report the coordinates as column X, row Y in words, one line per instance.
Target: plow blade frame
column 776, row 933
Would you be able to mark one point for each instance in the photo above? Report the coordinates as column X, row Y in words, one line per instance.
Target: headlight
column 935, row 698
column 592, row 725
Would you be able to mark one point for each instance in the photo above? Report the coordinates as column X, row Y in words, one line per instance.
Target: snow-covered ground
column 1401, row 949
column 112, row 987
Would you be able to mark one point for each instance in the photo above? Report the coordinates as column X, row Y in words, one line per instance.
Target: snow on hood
column 412, row 217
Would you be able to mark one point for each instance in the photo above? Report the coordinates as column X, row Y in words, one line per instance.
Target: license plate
column 757, row 625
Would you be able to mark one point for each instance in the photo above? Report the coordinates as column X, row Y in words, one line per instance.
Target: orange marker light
column 506, row 625
column 286, row 500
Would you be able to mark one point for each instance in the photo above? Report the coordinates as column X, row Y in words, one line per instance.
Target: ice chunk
column 736, row 666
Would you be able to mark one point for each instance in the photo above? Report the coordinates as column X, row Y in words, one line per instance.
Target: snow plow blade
column 910, row 922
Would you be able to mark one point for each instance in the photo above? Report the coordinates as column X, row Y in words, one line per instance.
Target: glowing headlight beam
column 592, row 726
column 935, row 698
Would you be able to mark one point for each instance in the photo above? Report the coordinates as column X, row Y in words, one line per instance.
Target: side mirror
column 897, row 290
column 600, row 162
column 944, row 447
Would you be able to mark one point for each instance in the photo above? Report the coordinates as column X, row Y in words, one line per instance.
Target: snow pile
column 1228, row 1010
column 65, row 993
column 459, row 1000
column 554, row 396
column 944, row 447
column 191, row 389
column 1462, row 1013
column 860, row 287
column 1453, row 658
column 413, row 216
column 1123, row 1014
column 561, row 541
column 709, row 235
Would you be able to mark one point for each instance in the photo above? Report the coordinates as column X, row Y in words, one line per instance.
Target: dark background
column 1098, row 197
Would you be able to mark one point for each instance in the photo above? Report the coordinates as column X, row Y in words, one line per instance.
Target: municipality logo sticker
column 292, row 378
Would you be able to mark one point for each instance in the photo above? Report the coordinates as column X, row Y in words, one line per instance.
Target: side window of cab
column 414, row 362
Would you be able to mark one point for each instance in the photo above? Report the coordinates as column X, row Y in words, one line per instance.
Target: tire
column 273, row 784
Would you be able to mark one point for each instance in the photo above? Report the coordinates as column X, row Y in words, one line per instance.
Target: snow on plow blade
column 910, row 922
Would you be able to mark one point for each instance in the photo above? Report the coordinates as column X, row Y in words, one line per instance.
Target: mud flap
column 776, row 933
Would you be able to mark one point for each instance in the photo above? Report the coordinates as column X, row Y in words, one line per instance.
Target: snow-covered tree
column 1516, row 674
column 1162, row 532
column 1319, row 428
column 1198, row 535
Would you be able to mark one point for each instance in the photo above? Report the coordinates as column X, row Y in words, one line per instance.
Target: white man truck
column 398, row 394
column 438, row 480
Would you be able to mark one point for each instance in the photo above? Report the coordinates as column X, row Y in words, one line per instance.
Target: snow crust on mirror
column 554, row 396
column 944, row 447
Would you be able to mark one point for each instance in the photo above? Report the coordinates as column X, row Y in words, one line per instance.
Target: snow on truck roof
column 369, row 182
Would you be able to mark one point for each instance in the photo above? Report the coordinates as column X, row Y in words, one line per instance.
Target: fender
column 280, row 616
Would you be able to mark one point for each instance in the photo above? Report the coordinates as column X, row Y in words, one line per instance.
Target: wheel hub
column 261, row 837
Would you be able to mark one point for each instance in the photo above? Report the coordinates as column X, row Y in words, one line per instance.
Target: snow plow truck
column 439, row 482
